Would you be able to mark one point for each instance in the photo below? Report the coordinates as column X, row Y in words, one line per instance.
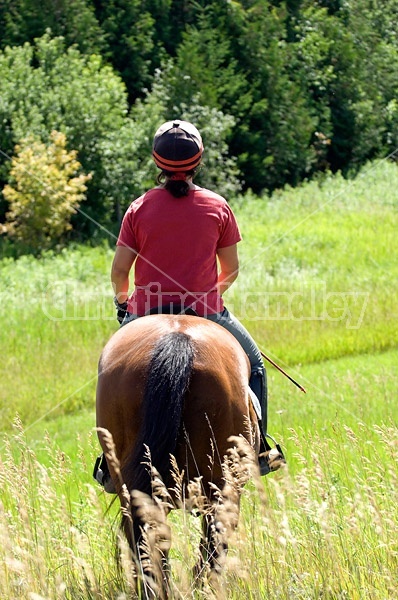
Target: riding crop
column 283, row 372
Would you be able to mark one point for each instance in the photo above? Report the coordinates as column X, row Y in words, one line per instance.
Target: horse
column 173, row 394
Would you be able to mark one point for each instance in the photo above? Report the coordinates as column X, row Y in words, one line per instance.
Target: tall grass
column 328, row 532
column 54, row 544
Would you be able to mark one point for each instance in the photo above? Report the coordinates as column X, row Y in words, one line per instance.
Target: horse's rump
column 177, row 384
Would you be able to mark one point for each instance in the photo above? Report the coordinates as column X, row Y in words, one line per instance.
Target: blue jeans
column 258, row 377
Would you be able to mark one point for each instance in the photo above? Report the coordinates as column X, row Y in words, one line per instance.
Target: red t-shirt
column 176, row 240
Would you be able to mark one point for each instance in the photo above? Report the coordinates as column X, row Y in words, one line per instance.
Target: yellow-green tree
column 45, row 189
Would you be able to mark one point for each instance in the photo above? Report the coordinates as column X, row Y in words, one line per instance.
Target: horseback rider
column 174, row 235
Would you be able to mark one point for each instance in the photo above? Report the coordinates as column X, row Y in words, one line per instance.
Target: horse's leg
column 151, row 565
column 214, row 546
column 148, row 534
column 218, row 523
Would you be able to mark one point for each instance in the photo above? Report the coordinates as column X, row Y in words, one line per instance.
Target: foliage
column 219, row 170
column 24, row 20
column 129, row 32
column 45, row 191
column 296, row 87
column 344, row 63
column 237, row 60
column 48, row 87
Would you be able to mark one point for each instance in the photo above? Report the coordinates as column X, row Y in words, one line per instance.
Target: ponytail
column 176, row 183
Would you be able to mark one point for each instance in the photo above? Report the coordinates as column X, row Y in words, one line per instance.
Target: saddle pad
column 255, row 402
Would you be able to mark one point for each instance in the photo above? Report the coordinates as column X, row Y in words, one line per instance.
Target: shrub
column 44, row 191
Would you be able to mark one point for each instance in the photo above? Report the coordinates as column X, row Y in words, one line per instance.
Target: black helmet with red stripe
column 177, row 146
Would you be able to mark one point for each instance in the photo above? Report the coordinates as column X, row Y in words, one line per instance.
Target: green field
column 318, row 291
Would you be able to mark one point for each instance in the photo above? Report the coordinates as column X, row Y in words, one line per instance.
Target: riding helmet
column 177, row 146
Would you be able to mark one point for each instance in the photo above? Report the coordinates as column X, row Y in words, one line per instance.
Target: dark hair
column 177, row 187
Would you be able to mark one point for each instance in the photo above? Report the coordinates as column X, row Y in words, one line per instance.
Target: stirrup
column 102, row 476
column 100, row 469
column 270, row 459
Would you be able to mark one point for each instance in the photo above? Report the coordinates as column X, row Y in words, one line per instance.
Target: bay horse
column 174, row 385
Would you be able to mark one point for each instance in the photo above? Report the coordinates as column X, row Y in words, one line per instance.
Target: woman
column 174, row 234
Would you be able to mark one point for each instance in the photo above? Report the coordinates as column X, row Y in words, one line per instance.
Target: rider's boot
column 102, row 476
column 268, row 459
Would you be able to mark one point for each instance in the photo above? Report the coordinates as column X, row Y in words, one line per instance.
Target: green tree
column 129, row 31
column 343, row 61
column 46, row 87
column 374, row 32
column 298, row 85
column 24, row 20
column 45, row 189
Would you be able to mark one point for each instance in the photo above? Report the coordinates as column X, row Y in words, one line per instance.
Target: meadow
column 318, row 291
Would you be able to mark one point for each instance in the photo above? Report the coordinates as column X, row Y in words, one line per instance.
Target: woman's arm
column 121, row 266
column 229, row 267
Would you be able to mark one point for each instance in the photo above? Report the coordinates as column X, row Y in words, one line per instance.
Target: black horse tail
column 169, row 374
